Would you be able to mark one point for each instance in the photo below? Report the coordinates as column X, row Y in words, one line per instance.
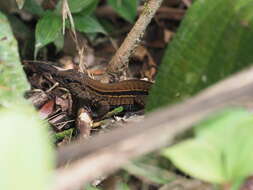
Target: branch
column 119, row 62
column 105, row 153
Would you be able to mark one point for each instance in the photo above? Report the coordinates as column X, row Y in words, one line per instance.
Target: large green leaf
column 126, row 9
column 48, row 29
column 198, row 159
column 26, row 159
column 213, row 41
column 221, row 152
column 13, row 82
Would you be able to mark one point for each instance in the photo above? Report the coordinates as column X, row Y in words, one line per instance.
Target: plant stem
column 119, row 62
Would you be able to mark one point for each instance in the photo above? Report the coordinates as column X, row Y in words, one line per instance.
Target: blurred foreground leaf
column 213, row 41
column 221, row 152
column 26, row 159
column 13, row 82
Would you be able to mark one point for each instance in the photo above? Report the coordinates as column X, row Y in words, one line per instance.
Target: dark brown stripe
column 118, row 93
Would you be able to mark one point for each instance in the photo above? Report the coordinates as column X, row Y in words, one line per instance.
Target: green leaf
column 222, row 118
column 213, row 41
column 126, row 9
column 59, row 42
column 222, row 150
column 47, row 30
column 76, row 6
column 33, row 7
column 88, row 24
column 26, row 154
column 86, row 7
column 88, row 10
column 239, row 152
column 13, row 82
column 198, row 159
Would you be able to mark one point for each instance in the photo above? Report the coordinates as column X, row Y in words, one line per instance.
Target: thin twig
column 66, row 13
column 106, row 153
column 119, row 62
